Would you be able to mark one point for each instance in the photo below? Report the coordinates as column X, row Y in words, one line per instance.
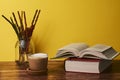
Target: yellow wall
column 62, row 22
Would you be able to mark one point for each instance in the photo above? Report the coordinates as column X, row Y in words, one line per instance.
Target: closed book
column 86, row 65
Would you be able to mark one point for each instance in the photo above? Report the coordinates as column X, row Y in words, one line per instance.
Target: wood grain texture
column 11, row 71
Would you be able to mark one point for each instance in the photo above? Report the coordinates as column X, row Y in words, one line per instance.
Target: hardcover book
column 86, row 65
column 82, row 50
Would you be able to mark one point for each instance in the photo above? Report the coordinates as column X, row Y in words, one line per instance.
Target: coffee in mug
column 38, row 62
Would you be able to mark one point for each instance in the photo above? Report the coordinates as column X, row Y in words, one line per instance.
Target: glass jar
column 22, row 49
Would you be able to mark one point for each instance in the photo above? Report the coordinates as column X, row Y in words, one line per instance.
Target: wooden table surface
column 11, row 71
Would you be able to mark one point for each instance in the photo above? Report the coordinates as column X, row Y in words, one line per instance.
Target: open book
column 82, row 50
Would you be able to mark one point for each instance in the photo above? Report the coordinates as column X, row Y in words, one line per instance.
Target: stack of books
column 82, row 58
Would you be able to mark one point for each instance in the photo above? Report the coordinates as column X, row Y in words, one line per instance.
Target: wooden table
column 11, row 71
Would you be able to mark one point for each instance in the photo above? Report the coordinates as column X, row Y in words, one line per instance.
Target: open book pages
column 71, row 50
column 82, row 50
column 99, row 51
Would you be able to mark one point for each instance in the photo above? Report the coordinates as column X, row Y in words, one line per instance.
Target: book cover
column 86, row 65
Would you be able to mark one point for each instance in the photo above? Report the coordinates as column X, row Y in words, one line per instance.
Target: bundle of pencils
column 20, row 26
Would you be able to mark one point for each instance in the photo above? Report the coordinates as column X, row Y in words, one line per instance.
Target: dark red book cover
column 83, row 59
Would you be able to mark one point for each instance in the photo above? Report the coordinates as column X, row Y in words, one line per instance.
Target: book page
column 99, row 48
column 93, row 54
column 99, row 51
column 73, row 49
column 110, row 53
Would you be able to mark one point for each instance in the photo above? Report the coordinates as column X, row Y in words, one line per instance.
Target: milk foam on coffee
column 38, row 62
column 38, row 55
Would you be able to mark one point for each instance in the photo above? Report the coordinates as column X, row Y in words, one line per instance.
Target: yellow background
column 62, row 22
